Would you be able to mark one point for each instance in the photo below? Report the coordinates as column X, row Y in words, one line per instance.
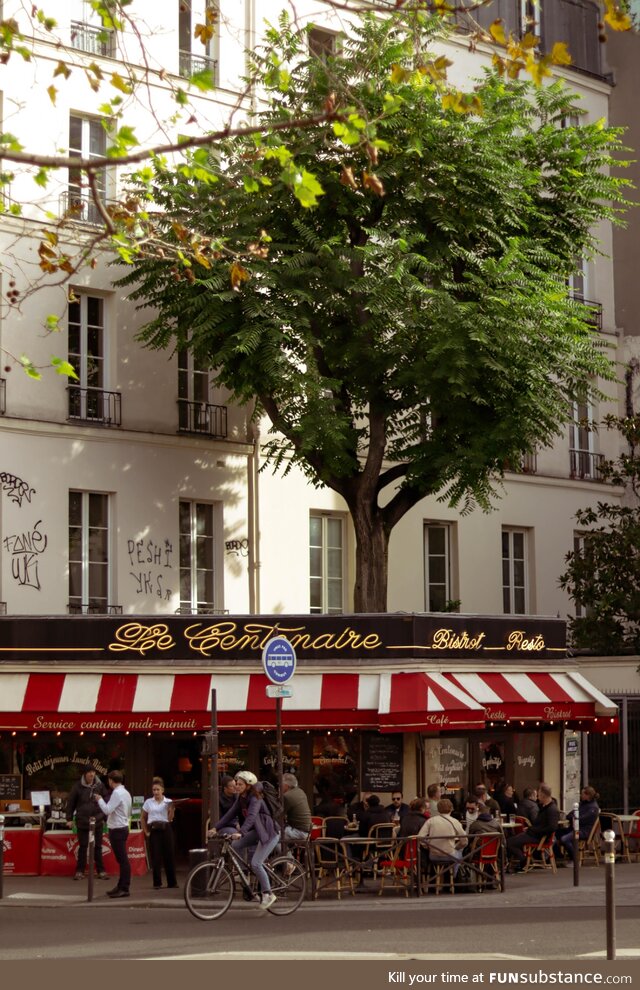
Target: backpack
column 273, row 801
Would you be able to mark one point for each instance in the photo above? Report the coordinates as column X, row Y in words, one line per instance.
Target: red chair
column 522, row 824
column 487, row 852
column 540, row 855
column 401, row 866
column 317, row 825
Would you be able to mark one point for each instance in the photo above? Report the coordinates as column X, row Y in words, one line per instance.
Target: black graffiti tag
column 26, row 550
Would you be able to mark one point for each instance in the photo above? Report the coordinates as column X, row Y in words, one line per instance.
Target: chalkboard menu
column 382, row 763
column 10, row 786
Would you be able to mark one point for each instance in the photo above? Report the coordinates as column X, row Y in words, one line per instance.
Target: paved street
column 538, row 917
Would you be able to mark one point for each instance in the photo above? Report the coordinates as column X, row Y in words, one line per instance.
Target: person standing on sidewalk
column 157, row 815
column 81, row 804
column 118, row 812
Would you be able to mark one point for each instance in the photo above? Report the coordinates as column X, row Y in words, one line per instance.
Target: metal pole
column 279, row 767
column 610, row 890
column 91, row 858
column 214, row 784
column 576, row 844
column 1, row 855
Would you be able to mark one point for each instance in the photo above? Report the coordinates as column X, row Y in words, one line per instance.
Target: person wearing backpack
column 256, row 828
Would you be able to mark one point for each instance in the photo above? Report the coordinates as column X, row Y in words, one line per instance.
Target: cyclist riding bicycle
column 249, row 813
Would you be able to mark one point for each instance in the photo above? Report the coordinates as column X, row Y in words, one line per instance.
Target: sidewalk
column 539, row 887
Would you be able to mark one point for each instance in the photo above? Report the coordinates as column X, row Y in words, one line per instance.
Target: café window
column 196, row 557
column 326, row 564
column 514, row 571
column 527, row 761
column 336, row 781
column 232, row 758
column 437, row 566
column 268, row 758
column 89, row 565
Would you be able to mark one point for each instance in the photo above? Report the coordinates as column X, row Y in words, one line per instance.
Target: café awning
column 553, row 697
column 419, row 701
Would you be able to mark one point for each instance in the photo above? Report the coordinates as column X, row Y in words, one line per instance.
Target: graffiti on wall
column 149, row 561
column 25, row 549
column 16, row 488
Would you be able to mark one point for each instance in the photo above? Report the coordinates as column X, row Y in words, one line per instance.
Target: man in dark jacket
column 529, row 806
column 374, row 814
column 588, row 814
column 397, row 809
column 297, row 812
column 227, row 794
column 545, row 825
column 81, row 804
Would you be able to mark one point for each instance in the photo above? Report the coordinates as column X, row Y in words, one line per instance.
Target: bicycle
column 211, row 886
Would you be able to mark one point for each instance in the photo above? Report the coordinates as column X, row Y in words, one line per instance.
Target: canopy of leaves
column 603, row 577
column 412, row 324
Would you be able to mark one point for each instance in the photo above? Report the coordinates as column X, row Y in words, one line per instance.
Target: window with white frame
column 89, row 569
column 514, row 571
column 88, row 398
column 323, row 44
column 196, row 557
column 204, row 59
column 584, row 461
column 87, row 139
column 87, row 32
column 437, row 566
column 326, row 564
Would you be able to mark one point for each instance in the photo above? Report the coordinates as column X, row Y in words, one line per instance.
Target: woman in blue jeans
column 252, row 825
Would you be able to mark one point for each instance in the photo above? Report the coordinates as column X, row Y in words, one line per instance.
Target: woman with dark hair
column 253, row 826
column 414, row 819
column 506, row 798
column 156, row 816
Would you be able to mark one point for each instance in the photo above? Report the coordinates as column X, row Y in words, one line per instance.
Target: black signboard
column 382, row 763
column 201, row 639
column 10, row 786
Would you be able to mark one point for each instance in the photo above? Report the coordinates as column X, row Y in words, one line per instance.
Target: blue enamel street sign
column 279, row 660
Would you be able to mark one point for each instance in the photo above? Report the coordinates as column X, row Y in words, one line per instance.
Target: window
column 190, row 62
column 326, row 564
column 195, row 413
column 437, row 566
column 196, row 557
column 87, row 32
column 579, row 289
column 89, row 575
column 322, row 44
column 514, row 571
column 88, row 399
column 576, row 23
column 87, row 139
column 583, row 459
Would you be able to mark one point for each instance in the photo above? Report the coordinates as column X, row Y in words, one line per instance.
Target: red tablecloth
column 22, row 851
column 60, row 854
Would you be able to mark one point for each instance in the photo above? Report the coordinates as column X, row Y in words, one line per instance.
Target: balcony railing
column 202, row 417
column 94, row 405
column 79, row 205
column 528, row 464
column 203, row 609
column 3, row 396
column 95, row 40
column 584, row 464
column 594, row 318
column 93, row 608
column 191, row 65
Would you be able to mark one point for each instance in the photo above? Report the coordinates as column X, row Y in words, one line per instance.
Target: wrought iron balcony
column 594, row 318
column 93, row 607
column 528, row 464
column 77, row 204
column 94, row 405
column 202, row 609
column 203, row 418
column 191, row 65
column 3, row 396
column 584, row 464
column 95, row 40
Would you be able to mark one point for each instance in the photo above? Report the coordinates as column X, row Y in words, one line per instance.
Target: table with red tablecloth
column 59, row 854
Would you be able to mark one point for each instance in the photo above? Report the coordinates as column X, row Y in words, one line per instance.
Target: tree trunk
column 372, row 563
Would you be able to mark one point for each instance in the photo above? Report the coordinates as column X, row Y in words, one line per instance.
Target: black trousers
column 118, row 840
column 161, row 853
column 83, row 845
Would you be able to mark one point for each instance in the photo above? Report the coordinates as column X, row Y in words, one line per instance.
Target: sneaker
column 267, row 900
column 79, row 876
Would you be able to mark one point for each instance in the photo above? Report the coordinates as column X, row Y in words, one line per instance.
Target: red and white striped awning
column 403, row 701
column 564, row 696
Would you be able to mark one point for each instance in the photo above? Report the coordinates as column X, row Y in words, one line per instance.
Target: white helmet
column 248, row 777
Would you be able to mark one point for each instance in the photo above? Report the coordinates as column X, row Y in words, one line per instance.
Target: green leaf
column 250, row 184
column 63, row 368
column 52, row 323
column 29, row 368
column 306, row 189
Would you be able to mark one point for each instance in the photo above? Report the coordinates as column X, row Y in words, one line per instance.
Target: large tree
column 410, row 332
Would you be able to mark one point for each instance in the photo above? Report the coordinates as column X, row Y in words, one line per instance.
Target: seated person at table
column 446, row 835
column 471, row 811
column 588, row 813
column 545, row 824
column 397, row 809
column 507, row 800
column 528, row 807
column 374, row 814
column 434, row 793
column 480, row 792
column 296, row 809
column 331, row 805
column 485, row 821
column 416, row 816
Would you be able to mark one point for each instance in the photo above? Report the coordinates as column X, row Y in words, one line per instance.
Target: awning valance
column 421, row 701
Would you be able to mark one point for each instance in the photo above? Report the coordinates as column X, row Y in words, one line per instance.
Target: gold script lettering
column 140, row 639
column 254, row 636
column 445, row 639
column 517, row 641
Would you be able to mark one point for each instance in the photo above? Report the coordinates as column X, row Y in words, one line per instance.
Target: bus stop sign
column 279, row 660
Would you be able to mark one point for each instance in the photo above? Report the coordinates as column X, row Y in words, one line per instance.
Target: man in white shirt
column 118, row 812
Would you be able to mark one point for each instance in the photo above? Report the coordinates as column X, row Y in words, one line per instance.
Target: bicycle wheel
column 208, row 891
column 288, row 883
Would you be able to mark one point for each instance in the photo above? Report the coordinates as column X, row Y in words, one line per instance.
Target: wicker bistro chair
column 488, row 855
column 331, row 867
column 608, row 820
column 401, row 867
column 540, row 855
column 522, row 823
column 589, row 848
column 381, row 843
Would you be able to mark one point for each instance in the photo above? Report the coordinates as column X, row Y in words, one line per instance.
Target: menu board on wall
column 10, row 786
column 527, row 757
column 382, row 763
column 447, row 762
